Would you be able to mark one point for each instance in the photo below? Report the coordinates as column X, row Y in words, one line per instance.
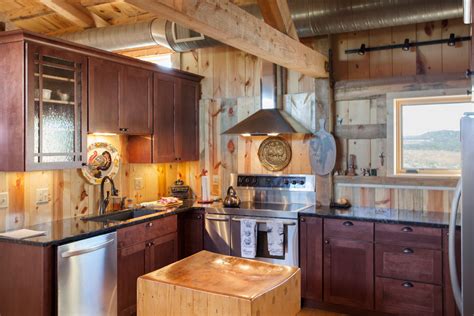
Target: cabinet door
column 166, row 92
column 349, row 273
column 131, row 265
column 103, row 96
column 56, row 109
column 162, row 251
column 136, row 106
column 311, row 258
column 187, row 122
column 191, row 233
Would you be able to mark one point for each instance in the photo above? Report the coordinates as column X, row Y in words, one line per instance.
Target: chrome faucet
column 104, row 201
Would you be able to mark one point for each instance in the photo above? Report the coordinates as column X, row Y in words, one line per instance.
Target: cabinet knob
column 407, row 229
column 326, row 241
column 123, row 129
column 407, row 284
column 348, row 223
column 408, row 251
column 199, row 217
column 303, row 219
column 150, row 224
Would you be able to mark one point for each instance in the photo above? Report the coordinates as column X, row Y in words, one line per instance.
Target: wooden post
column 324, row 92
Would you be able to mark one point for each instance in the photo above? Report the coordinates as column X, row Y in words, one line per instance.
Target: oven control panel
column 276, row 182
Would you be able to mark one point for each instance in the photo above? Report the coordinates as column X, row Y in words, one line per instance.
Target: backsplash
column 70, row 195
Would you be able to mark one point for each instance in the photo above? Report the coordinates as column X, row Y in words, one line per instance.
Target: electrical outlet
column 138, row 183
column 4, row 200
column 42, row 196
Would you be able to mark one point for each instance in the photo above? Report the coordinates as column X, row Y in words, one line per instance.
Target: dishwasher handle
column 73, row 253
column 217, row 218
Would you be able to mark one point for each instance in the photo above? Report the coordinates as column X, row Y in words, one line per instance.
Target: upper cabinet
column 43, row 110
column 120, row 98
column 176, row 123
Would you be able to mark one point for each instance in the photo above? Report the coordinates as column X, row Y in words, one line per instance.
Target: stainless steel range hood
column 271, row 119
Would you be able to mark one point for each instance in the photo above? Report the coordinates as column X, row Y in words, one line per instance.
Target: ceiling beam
column 231, row 25
column 276, row 13
column 70, row 12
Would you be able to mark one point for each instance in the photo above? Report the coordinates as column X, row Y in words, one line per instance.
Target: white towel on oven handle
column 248, row 238
column 275, row 237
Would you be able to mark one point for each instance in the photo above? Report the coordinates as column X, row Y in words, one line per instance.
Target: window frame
column 399, row 103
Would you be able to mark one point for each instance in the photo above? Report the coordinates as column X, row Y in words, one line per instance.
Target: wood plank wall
column 426, row 60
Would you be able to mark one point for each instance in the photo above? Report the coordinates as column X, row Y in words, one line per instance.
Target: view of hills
column 437, row 140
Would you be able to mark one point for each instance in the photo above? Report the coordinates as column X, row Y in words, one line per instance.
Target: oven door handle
column 259, row 221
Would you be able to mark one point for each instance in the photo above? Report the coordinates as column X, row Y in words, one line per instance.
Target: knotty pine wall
column 362, row 84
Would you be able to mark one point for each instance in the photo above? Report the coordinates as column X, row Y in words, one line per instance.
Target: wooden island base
column 208, row 283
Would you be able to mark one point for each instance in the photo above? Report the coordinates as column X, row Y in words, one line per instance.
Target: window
column 427, row 132
column 162, row 60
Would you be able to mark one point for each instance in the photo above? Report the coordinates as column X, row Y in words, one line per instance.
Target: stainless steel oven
column 264, row 198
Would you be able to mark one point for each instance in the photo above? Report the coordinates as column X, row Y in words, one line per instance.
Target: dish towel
column 248, row 238
column 275, row 237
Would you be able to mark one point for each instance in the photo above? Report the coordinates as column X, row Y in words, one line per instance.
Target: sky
column 419, row 119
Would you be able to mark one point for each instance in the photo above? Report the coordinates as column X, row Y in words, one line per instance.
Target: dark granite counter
column 383, row 215
column 73, row 229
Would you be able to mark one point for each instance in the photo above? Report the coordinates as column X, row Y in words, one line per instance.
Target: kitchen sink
column 120, row 216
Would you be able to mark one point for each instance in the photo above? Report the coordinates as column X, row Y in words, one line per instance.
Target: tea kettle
column 231, row 200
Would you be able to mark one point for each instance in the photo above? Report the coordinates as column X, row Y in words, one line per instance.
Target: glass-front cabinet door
column 56, row 127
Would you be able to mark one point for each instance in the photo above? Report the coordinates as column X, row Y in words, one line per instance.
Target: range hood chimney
column 271, row 119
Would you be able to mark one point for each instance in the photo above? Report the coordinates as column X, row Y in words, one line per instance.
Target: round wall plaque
column 274, row 153
column 102, row 160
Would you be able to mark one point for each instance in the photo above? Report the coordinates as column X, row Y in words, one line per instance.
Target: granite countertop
column 73, row 229
column 384, row 215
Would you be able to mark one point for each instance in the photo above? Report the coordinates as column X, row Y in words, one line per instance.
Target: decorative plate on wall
column 102, row 160
column 274, row 153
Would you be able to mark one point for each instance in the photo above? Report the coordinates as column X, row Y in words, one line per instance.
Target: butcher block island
column 208, row 283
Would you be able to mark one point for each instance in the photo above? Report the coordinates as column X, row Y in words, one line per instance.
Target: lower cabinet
column 311, row 258
column 155, row 245
column 349, row 272
column 191, row 233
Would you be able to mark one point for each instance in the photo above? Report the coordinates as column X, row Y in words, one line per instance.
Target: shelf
column 397, row 181
column 56, row 101
column 64, row 79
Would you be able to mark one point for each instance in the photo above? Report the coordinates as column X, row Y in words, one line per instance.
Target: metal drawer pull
column 348, row 223
column 150, row 224
column 288, row 223
column 217, row 219
column 73, row 253
column 407, row 284
column 407, row 229
column 408, row 251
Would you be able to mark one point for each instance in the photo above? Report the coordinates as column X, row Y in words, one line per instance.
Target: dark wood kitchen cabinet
column 43, row 107
column 143, row 248
column 348, row 263
column 120, row 98
column 191, row 232
column 176, row 123
column 311, row 258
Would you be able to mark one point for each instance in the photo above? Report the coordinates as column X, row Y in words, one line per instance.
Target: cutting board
column 322, row 151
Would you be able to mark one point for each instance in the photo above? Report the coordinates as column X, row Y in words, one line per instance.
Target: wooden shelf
column 56, row 101
column 57, row 78
column 402, row 180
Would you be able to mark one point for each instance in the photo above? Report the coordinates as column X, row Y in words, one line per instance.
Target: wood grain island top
column 210, row 272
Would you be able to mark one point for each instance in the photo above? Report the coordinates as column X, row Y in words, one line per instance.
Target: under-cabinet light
column 272, row 134
column 103, row 134
column 246, row 134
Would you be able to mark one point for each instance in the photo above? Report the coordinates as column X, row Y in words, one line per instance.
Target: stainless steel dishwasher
column 87, row 276
column 217, row 234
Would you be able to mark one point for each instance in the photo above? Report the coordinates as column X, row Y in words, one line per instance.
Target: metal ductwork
column 142, row 34
column 311, row 18
column 323, row 17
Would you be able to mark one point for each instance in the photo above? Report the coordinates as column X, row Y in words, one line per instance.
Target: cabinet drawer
column 347, row 229
column 406, row 263
column 407, row 298
column 410, row 236
column 146, row 231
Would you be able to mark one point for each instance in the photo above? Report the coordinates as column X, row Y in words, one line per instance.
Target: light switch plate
column 4, row 200
column 42, row 196
column 138, row 183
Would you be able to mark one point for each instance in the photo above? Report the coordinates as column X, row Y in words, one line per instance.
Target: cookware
column 231, row 200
